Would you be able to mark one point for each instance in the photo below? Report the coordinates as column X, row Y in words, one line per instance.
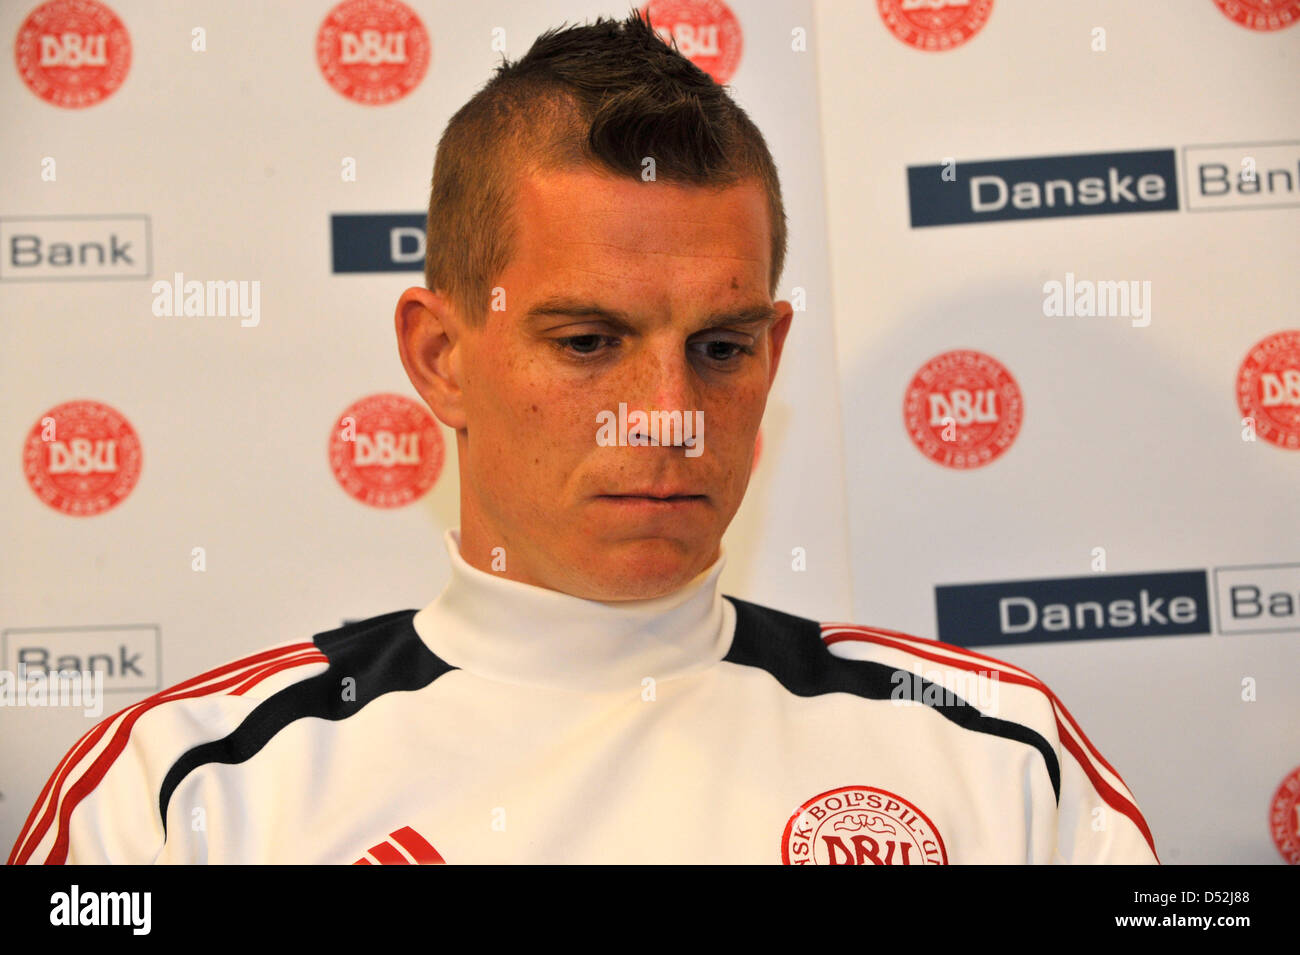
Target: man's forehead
column 670, row 248
column 580, row 199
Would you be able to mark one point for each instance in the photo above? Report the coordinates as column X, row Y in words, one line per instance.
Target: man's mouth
column 654, row 500
column 658, row 493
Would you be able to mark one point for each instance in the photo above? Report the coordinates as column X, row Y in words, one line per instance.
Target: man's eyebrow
column 576, row 308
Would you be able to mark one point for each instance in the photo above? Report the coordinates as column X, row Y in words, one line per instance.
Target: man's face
column 619, row 292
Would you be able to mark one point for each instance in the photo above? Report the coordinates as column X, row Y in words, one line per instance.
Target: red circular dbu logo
column 706, row 32
column 1268, row 389
column 1284, row 818
column 963, row 409
column 935, row 25
column 82, row 458
column 72, row 53
column 372, row 51
column 386, row 450
column 1261, row 14
column 861, row 825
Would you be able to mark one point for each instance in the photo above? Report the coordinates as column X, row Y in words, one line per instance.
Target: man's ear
column 428, row 337
column 777, row 332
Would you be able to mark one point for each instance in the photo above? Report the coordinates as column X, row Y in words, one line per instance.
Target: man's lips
column 655, row 494
column 654, row 500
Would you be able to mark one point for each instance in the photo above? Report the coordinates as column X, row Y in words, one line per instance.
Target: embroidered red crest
column 861, row 825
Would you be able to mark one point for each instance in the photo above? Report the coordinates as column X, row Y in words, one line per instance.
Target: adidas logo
column 405, row 846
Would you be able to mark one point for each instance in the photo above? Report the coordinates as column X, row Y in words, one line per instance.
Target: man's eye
column 722, row 350
column 582, row 344
column 718, row 350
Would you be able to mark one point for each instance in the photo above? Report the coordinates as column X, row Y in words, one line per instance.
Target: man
column 606, row 235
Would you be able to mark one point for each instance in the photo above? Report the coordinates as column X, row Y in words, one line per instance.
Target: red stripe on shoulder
column 1005, row 671
column 87, row 742
column 1087, row 742
column 1096, row 753
column 1006, row 667
column 233, row 673
column 45, row 791
column 87, row 783
column 271, row 669
column 1117, row 801
column 264, row 656
column 1003, row 665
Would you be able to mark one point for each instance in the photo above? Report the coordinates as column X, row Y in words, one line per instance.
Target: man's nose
column 660, row 378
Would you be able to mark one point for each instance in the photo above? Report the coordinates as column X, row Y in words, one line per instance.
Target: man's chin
column 642, row 569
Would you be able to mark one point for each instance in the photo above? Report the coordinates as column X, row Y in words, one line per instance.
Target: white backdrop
column 1131, row 438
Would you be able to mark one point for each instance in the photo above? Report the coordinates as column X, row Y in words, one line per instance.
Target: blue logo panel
column 1098, row 607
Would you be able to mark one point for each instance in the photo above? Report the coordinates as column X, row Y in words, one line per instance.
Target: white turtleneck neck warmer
column 512, row 632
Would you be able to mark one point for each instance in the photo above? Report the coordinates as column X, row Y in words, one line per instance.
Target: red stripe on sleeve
column 1003, row 665
column 91, row 778
column 1116, row 801
column 276, row 668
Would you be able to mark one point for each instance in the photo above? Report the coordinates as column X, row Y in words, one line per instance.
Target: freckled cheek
column 502, row 424
column 730, row 421
column 555, row 424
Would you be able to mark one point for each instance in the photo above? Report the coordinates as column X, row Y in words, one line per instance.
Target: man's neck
column 511, row 631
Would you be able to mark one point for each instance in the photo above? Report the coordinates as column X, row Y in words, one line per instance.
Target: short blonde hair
column 603, row 96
